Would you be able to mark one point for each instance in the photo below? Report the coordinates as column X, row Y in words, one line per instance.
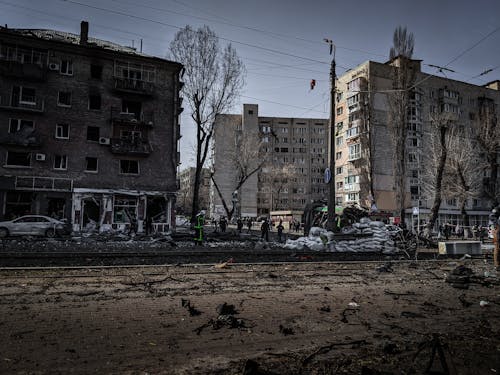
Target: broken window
column 95, row 101
column 90, row 164
column 96, row 71
column 124, row 209
column 16, row 125
column 18, row 159
column 93, row 133
column 66, row 67
column 17, row 204
column 61, row 162
column 62, row 131
column 23, row 95
column 64, row 98
column 129, row 167
column 129, row 106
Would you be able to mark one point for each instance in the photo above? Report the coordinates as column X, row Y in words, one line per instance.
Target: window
column 340, row 110
column 27, row 95
column 352, row 132
column 340, row 185
column 339, row 170
column 451, row 202
column 354, row 151
column 338, row 155
column 61, row 162
column 90, row 164
column 96, row 71
column 93, row 133
column 62, row 131
column 339, row 141
column 18, row 159
column 250, row 112
column 16, row 125
column 131, row 135
column 64, row 99
column 66, row 67
column 352, row 197
column 129, row 167
column 95, row 101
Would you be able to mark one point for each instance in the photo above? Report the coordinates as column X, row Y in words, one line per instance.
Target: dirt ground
column 302, row 318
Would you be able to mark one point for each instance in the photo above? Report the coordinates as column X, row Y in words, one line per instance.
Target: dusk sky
column 461, row 35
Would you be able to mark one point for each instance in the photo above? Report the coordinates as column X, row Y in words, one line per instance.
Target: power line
column 272, row 102
column 180, row 28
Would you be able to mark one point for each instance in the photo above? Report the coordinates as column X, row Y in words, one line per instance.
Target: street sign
column 328, row 175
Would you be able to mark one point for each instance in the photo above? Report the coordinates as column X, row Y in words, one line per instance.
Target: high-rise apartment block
column 89, row 129
column 293, row 157
column 364, row 173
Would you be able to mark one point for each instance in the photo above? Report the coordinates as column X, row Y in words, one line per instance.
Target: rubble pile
column 366, row 236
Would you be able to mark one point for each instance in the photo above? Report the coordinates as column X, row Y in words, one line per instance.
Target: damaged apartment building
column 89, row 130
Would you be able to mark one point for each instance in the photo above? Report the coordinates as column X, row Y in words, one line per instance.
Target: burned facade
column 89, row 130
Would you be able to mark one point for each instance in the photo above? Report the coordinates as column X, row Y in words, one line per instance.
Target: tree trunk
column 465, row 218
column 438, row 185
column 229, row 212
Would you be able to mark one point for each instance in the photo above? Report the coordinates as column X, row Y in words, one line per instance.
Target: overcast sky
column 463, row 34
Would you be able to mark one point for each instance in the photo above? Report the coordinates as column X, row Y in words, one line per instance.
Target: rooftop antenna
column 141, row 45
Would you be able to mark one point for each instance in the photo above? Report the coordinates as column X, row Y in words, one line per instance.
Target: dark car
column 35, row 225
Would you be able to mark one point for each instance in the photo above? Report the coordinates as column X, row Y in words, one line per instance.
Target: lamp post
column 331, row 128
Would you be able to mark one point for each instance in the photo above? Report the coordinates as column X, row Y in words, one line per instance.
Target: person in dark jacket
column 264, row 230
column 280, row 228
column 239, row 225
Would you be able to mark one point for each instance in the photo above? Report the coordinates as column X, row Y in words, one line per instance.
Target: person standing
column 239, row 225
column 222, row 224
column 249, row 224
column 198, row 228
column 264, row 230
column 280, row 228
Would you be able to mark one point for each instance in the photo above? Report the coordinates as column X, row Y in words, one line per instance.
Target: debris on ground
column 286, row 331
column 483, row 303
column 225, row 264
column 187, row 304
column 387, row 267
column 226, row 309
column 460, row 277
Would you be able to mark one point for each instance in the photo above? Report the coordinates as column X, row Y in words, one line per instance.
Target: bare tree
column 279, row 177
column 487, row 134
column 246, row 160
column 403, row 79
column 212, row 82
column 464, row 170
column 435, row 159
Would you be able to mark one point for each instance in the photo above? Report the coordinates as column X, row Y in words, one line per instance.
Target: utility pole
column 331, row 194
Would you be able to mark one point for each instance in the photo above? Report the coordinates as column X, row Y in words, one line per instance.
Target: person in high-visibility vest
column 198, row 228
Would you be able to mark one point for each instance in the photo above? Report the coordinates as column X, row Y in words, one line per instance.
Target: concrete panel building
column 364, row 166
column 89, row 129
column 297, row 144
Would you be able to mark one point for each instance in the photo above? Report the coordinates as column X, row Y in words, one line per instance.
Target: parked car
column 35, row 225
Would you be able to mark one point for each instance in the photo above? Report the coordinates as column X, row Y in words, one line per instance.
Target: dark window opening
column 93, row 133
column 64, row 98
column 90, row 164
column 250, row 111
column 16, row 125
column 129, row 106
column 95, row 101
column 129, row 167
column 21, row 159
column 96, row 71
column 18, row 204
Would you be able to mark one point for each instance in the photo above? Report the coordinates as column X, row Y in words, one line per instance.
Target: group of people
column 477, row 232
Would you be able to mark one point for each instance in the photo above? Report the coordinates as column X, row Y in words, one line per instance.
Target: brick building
column 89, row 129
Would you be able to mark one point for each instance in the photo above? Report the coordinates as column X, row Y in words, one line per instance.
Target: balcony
column 26, row 137
column 30, row 72
column 133, row 146
column 354, row 187
column 134, row 86
column 124, row 118
column 33, row 104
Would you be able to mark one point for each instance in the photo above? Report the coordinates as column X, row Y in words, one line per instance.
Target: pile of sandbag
column 374, row 237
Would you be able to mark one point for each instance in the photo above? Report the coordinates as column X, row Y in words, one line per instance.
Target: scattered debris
column 460, row 277
column 225, row 264
column 222, row 321
column 464, row 302
column 286, row 331
column 483, row 303
column 327, row 288
column 353, row 305
column 411, row 314
column 325, row 308
column 192, row 311
column 226, row 309
column 387, row 267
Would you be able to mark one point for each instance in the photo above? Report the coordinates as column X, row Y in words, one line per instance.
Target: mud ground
column 305, row 318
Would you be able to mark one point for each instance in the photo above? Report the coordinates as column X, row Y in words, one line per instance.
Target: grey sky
column 361, row 29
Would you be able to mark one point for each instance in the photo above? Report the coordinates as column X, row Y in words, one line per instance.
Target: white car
column 35, row 225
